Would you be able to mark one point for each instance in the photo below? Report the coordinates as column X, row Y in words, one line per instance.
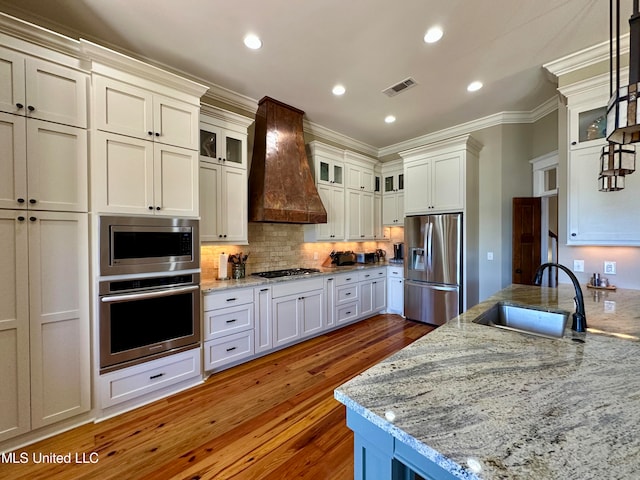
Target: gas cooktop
column 288, row 272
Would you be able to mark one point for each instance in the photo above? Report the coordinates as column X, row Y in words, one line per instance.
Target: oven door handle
column 142, row 296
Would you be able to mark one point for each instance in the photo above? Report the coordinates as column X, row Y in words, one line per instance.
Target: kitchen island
column 476, row 402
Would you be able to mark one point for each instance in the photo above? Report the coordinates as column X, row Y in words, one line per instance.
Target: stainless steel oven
column 147, row 317
column 148, row 244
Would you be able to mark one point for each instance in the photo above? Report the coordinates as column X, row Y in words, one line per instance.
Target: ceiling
column 366, row 45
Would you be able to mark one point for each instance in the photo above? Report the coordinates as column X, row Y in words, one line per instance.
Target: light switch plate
column 609, row 267
column 578, row 265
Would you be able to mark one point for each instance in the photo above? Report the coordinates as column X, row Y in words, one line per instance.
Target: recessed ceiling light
column 252, row 41
column 338, row 90
column 433, row 35
column 474, row 86
column 389, row 119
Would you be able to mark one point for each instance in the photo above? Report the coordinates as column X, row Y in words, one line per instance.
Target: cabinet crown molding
column 466, row 142
column 103, row 57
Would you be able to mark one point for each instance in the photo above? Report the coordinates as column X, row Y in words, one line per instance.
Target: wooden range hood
column 281, row 186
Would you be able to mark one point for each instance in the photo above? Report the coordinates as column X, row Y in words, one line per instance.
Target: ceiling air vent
column 399, row 87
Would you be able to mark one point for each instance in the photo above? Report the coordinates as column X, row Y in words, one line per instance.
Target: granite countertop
column 207, row 285
column 486, row 403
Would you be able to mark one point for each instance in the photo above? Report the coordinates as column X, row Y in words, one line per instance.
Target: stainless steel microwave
column 148, row 244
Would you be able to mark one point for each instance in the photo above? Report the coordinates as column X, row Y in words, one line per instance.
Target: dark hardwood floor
column 273, row 418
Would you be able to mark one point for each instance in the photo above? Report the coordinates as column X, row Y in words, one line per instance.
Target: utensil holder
column 237, row 271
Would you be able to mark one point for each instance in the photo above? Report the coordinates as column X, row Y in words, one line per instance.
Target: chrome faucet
column 579, row 317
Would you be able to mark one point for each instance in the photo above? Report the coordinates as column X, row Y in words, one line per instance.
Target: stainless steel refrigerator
column 433, row 267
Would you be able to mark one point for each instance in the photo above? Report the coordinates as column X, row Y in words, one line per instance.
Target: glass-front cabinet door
column 222, row 146
column 393, row 182
column 331, row 173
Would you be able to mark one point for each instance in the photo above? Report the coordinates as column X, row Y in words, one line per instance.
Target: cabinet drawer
column 294, row 287
column 346, row 293
column 346, row 279
column 225, row 321
column 231, row 348
column 395, row 272
column 139, row 380
column 370, row 274
column 347, row 313
column 227, row 298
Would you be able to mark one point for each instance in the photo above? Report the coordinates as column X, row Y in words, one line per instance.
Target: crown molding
column 585, row 58
column 37, row 35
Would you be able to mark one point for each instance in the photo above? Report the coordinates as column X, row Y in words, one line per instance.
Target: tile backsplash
column 274, row 246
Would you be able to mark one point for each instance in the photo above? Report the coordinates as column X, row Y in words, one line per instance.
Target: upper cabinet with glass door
column 328, row 164
column 222, row 144
column 587, row 112
column 393, row 182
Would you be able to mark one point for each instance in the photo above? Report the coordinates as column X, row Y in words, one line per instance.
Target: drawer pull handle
column 231, row 299
column 232, row 320
column 264, row 289
column 349, row 312
column 348, row 293
column 231, row 349
column 348, row 279
column 153, row 377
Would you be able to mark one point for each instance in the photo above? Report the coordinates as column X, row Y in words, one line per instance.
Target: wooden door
column 526, row 239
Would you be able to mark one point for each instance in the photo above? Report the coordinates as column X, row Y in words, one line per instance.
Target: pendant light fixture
column 618, row 158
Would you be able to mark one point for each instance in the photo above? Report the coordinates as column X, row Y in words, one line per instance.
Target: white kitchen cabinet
column 263, row 328
column 223, row 203
column 347, row 298
column 134, row 176
column 223, row 137
column 372, row 285
column 298, row 310
column 138, row 112
column 395, row 290
column 599, row 218
column 360, row 177
column 43, row 90
column 393, row 210
column 228, row 327
column 43, row 165
column 360, row 218
column 44, row 322
column 594, row 217
column 379, row 232
column 330, row 296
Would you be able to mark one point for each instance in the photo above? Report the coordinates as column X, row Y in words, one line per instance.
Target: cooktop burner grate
column 288, row 272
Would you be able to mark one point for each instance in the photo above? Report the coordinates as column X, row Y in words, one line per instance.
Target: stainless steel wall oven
column 149, row 289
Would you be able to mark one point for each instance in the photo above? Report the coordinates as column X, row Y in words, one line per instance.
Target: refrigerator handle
column 429, row 246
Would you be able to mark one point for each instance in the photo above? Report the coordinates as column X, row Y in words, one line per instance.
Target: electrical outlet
column 489, row 255
column 315, row 255
column 578, row 265
column 609, row 267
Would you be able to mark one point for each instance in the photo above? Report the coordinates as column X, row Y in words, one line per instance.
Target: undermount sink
column 525, row 319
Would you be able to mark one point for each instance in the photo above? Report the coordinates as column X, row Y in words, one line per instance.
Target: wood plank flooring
column 273, row 418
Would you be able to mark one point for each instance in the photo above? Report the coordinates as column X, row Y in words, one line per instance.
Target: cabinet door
column 57, row 173
column 418, row 191
column 366, row 298
column 122, row 108
column 235, row 150
column 311, row 312
column 378, row 231
column 12, row 82
column 353, row 214
column 14, row 326
column 234, row 205
column 599, row 218
column 175, row 173
column 330, row 295
column 175, row 122
column 393, row 210
column 262, row 314
column 286, row 327
column 210, row 198
column 447, row 182
column 396, row 295
column 366, row 216
column 122, row 176
column 13, row 161
column 379, row 294
column 59, row 314
column 56, row 93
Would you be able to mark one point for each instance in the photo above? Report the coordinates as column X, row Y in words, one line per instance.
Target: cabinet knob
column 224, row 236
column 149, row 133
column 33, row 219
column 574, row 143
column 21, row 200
column 157, row 134
column 21, row 218
column 574, row 234
column 31, row 108
column 32, row 201
column 150, row 207
column 157, row 208
column 19, row 106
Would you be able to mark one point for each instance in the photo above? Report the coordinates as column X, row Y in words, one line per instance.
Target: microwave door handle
column 145, row 295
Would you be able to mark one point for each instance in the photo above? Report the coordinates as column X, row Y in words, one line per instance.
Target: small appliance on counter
column 398, row 253
column 367, row 257
column 339, row 259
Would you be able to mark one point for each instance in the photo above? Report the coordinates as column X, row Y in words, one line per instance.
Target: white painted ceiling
column 366, row 45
